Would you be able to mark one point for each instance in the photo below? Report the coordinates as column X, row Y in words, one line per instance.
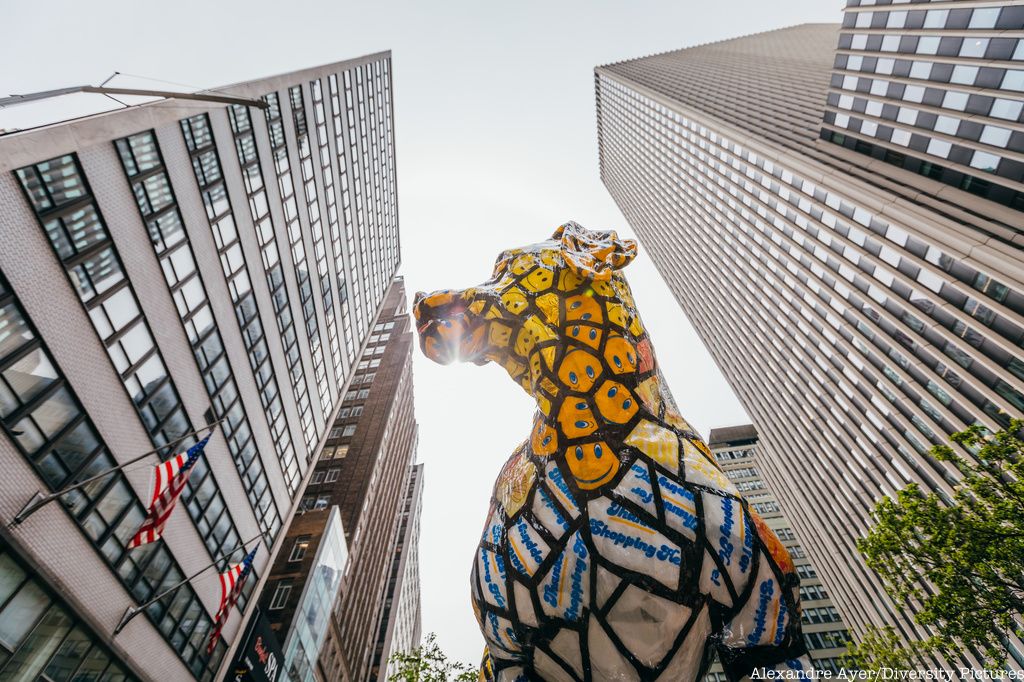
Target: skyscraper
column 401, row 618
column 860, row 286
column 164, row 268
column 364, row 476
column 736, row 450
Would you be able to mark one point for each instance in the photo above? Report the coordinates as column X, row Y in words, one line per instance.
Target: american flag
column 169, row 483
column 231, row 582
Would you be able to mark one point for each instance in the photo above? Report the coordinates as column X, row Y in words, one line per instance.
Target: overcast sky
column 496, row 145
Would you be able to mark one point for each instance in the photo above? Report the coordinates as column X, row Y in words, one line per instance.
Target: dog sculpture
column 614, row 547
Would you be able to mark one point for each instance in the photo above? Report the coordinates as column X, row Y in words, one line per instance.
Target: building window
column 322, row 502
column 43, row 639
column 349, row 430
column 46, row 421
column 299, row 548
column 281, row 592
column 318, row 477
column 332, row 475
column 806, row 571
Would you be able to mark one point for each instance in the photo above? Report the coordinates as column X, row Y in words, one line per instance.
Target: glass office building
column 312, row 618
column 863, row 297
column 214, row 258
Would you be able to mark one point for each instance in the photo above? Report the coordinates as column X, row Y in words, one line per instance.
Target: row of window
column 875, row 115
column 348, row 213
column 298, row 248
column 315, row 502
column 363, row 281
column 207, row 169
column 830, row 639
column 742, row 472
column 820, row 614
column 325, row 476
column 729, row 455
column 764, row 508
column 981, row 18
column 813, row 592
column 785, row 533
column 746, row 486
column 319, row 244
column 144, row 166
column 895, row 72
column 1002, row 49
column 273, row 268
column 43, row 417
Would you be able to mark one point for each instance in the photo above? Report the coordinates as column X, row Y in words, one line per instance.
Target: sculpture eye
column 586, row 316
column 590, row 371
column 617, row 361
column 626, row 405
column 581, row 406
column 575, row 331
column 575, row 305
column 547, row 439
column 579, row 452
column 597, row 451
column 572, row 377
column 593, row 334
column 581, row 424
column 612, row 391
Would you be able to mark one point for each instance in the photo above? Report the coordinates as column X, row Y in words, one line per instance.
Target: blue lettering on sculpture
column 748, row 547
column 689, row 520
column 556, row 477
column 576, row 594
column 551, row 587
column 761, row 615
column 640, row 472
column 646, row 496
column 493, row 622
column 779, row 631
column 725, row 547
column 516, row 563
column 493, row 588
column 601, row 529
column 528, row 542
column 550, row 506
column 670, row 554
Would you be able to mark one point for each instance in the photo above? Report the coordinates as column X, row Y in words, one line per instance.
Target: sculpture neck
column 600, row 399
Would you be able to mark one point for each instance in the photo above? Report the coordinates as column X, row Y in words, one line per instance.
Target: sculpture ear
column 591, row 254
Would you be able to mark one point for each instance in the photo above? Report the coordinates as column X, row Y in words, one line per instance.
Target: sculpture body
column 614, row 547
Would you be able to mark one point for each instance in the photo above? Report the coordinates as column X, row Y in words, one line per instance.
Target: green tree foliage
column 880, row 648
column 428, row 663
column 970, row 549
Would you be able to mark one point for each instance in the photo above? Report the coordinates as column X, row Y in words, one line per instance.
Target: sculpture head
column 554, row 313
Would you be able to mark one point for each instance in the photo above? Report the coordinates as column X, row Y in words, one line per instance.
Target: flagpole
column 133, row 611
column 40, row 500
